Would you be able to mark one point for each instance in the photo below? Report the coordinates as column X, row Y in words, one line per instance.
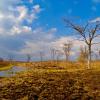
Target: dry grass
column 5, row 65
column 49, row 81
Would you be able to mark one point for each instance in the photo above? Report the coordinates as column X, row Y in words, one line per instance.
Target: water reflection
column 12, row 71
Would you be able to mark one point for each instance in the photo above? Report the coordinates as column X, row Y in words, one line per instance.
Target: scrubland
column 52, row 80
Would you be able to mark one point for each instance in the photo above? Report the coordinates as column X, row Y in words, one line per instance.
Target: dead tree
column 28, row 57
column 11, row 58
column 41, row 54
column 97, row 54
column 83, row 56
column 1, row 59
column 58, row 54
column 67, row 49
column 88, row 33
column 53, row 53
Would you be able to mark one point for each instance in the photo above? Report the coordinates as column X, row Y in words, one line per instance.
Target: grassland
column 5, row 65
column 53, row 81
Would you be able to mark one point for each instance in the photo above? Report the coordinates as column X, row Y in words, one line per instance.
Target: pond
column 11, row 72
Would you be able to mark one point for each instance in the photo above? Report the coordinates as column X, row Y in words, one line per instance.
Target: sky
column 34, row 26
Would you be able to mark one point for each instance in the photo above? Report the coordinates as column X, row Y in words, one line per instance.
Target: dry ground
column 49, row 82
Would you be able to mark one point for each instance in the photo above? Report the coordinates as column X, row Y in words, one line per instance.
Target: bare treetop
column 88, row 33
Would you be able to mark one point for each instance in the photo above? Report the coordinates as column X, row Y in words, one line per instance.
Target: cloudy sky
column 33, row 26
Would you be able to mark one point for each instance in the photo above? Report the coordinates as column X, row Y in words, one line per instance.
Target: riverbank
column 3, row 68
column 70, row 81
column 5, row 65
column 52, row 84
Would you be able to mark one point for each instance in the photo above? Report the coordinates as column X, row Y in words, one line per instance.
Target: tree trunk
column 67, row 58
column 89, row 56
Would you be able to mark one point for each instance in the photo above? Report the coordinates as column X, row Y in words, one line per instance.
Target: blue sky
column 31, row 26
column 54, row 11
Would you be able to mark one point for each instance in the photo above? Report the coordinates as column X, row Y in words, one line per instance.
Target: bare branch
column 94, row 31
column 88, row 33
column 97, row 35
column 79, row 39
column 79, row 29
column 95, row 43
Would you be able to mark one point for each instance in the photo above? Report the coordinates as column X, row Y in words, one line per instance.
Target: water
column 12, row 71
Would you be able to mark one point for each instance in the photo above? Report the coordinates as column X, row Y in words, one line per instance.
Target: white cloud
column 27, row 29
column 12, row 17
column 15, row 30
column 31, row 1
column 41, row 41
column 59, row 43
column 76, row 44
column 18, row 30
column 37, row 8
column 53, row 30
column 11, row 23
column 96, row 1
column 22, row 13
column 32, row 47
column 95, row 20
column 6, row 4
column 1, row 16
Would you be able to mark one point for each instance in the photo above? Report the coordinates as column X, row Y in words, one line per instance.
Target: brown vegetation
column 53, row 83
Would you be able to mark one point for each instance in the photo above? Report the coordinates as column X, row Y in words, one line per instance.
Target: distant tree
column 97, row 54
column 53, row 53
column 41, row 54
column 58, row 55
column 10, row 57
column 29, row 56
column 1, row 59
column 67, row 49
column 88, row 33
column 83, row 56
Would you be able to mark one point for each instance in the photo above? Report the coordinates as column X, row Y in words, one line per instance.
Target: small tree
column 28, row 57
column 1, row 59
column 58, row 55
column 41, row 54
column 88, row 33
column 97, row 54
column 67, row 49
column 83, row 56
column 53, row 53
column 11, row 58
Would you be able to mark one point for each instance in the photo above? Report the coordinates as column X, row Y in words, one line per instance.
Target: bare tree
column 11, row 58
column 1, row 59
column 58, row 55
column 41, row 54
column 83, row 56
column 88, row 33
column 97, row 54
column 28, row 57
column 53, row 53
column 67, row 49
